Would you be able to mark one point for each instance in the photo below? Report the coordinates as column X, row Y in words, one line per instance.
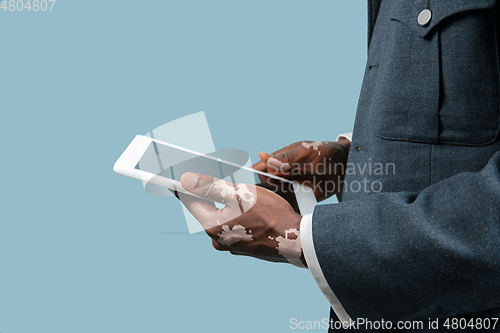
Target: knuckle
column 218, row 246
column 208, row 189
column 211, row 233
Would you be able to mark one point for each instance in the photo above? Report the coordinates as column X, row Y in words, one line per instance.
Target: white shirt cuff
column 347, row 136
column 306, row 240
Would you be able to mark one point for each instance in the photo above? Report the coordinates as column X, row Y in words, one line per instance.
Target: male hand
column 320, row 165
column 254, row 222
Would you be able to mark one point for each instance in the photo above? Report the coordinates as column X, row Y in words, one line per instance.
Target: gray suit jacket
column 418, row 233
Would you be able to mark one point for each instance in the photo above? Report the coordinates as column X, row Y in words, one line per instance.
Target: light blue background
column 83, row 249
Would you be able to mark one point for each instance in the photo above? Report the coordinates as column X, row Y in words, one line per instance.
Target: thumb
column 210, row 188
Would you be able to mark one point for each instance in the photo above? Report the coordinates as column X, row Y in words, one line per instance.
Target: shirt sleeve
column 307, row 243
column 347, row 136
column 312, row 261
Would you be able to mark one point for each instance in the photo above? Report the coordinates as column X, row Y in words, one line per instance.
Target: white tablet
column 162, row 164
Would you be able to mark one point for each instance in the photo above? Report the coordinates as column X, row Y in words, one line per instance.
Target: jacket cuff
column 307, row 243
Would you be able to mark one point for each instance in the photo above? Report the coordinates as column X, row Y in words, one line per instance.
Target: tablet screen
column 170, row 162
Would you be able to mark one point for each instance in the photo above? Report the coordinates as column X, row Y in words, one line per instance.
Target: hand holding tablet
column 163, row 164
column 254, row 221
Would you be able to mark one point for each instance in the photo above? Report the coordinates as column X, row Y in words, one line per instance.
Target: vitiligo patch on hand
column 230, row 236
column 242, row 190
column 277, row 164
column 291, row 249
column 314, row 145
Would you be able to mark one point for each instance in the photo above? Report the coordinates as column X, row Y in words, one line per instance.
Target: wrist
column 345, row 143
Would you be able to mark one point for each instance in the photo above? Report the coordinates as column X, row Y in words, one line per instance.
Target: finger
column 285, row 149
column 264, row 156
column 260, row 166
column 280, row 163
column 210, row 188
column 240, row 197
column 204, row 211
column 260, row 257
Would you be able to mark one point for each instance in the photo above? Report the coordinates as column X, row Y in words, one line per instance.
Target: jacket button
column 424, row 18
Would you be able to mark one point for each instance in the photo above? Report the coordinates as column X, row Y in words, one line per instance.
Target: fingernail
column 263, row 154
column 189, row 180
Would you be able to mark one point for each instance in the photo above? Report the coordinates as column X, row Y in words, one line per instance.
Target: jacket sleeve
column 415, row 255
